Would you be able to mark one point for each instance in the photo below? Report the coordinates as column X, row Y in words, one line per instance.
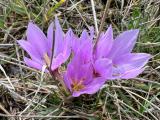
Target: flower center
column 96, row 74
column 77, row 86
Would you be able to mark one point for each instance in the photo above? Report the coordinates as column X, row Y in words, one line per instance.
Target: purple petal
column 77, row 71
column 132, row 60
column 124, row 43
column 50, row 38
column 67, row 81
column 91, row 88
column 37, row 38
column 32, row 63
column 58, row 61
column 91, row 31
column 65, row 51
column 81, row 60
column 30, row 50
column 74, row 72
column 103, row 67
column 105, row 43
column 132, row 73
column 78, row 42
column 58, row 47
column 84, row 36
column 67, row 43
column 85, row 72
column 75, row 43
column 128, row 63
column 85, row 52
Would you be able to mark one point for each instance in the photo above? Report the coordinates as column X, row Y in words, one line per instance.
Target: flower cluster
column 89, row 66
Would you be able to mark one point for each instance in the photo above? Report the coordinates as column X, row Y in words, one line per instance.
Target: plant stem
column 103, row 21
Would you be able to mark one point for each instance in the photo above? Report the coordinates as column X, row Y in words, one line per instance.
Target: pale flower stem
column 103, row 21
column 94, row 16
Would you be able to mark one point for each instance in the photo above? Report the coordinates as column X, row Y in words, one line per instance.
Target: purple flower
column 76, row 42
column 125, row 64
column 80, row 77
column 89, row 68
column 39, row 47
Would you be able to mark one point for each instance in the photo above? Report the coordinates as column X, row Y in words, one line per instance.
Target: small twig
column 52, row 9
column 130, row 107
column 136, row 100
column 38, row 104
column 103, row 21
column 1, row 68
column 36, row 92
column 94, row 16
column 39, row 116
column 4, row 110
column 155, row 106
column 118, row 106
column 23, row 66
column 144, row 80
column 7, row 45
column 85, row 115
column 18, row 58
column 80, row 14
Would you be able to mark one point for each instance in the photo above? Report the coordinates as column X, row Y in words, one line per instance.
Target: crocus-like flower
column 125, row 64
column 80, row 77
column 39, row 47
column 77, row 42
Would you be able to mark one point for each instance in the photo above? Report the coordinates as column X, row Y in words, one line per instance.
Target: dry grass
column 29, row 94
